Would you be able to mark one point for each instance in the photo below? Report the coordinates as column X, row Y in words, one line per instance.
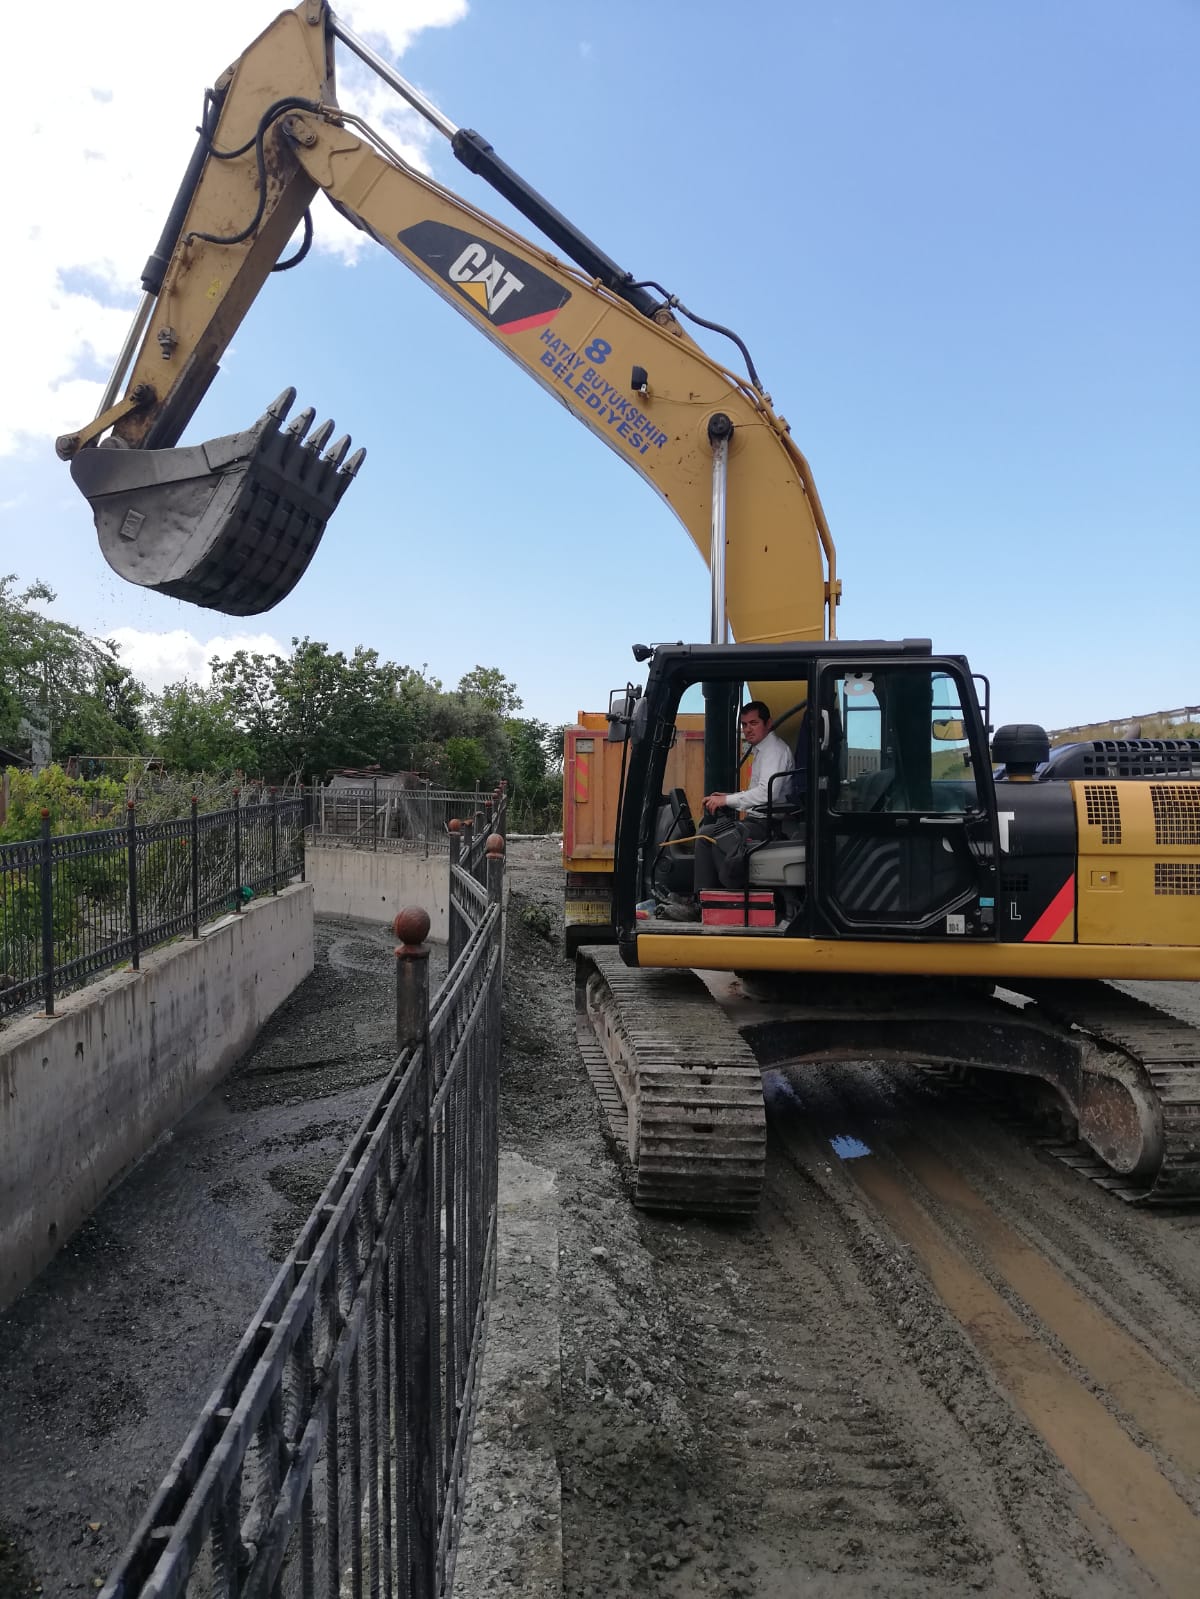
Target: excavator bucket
column 231, row 524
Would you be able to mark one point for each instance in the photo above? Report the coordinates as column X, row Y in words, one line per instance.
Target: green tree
column 533, row 768
column 461, row 763
column 54, row 676
column 197, row 730
column 315, row 709
column 491, row 688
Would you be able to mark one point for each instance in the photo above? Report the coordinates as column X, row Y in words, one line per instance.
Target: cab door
column 902, row 831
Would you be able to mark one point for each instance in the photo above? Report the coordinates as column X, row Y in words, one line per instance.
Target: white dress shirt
column 771, row 756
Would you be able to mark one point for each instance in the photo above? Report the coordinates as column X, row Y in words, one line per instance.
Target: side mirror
column 950, row 730
column 622, row 704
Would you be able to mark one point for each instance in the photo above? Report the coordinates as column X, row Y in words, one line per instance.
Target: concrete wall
column 84, row 1093
column 373, row 885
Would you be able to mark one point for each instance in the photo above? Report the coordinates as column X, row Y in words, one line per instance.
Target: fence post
column 428, row 815
column 495, row 868
column 131, row 836
column 47, row 877
column 421, row 1384
column 274, row 840
column 237, row 850
column 453, row 939
column 478, row 832
column 374, row 813
column 495, row 890
column 412, row 978
column 468, row 844
column 195, row 870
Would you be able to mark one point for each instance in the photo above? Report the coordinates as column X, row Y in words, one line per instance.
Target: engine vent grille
column 1139, row 757
column 1014, row 882
column 1176, row 877
column 1176, row 813
column 1104, row 810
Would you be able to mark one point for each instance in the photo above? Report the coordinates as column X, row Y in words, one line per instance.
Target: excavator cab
column 886, row 825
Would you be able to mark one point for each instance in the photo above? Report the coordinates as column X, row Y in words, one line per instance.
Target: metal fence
column 332, row 1457
column 378, row 815
column 73, row 905
column 1180, row 716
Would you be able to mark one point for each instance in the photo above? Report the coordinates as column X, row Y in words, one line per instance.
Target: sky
column 961, row 241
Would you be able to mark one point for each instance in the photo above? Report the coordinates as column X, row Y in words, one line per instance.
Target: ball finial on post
column 411, row 926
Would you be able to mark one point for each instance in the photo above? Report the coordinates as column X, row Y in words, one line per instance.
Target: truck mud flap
column 231, row 524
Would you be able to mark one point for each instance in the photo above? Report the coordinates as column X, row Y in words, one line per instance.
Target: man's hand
column 715, row 802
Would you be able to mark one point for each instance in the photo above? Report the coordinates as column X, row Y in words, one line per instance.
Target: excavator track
column 1126, row 1074
column 681, row 1090
column 1163, row 1055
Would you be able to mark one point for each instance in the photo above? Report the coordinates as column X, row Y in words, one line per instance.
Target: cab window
column 898, row 742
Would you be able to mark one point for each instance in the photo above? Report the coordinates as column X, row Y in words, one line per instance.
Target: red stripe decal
column 1055, row 914
column 537, row 321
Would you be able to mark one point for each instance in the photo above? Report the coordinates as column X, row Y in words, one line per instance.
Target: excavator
column 929, row 889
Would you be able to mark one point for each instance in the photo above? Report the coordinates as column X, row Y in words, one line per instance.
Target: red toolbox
column 723, row 907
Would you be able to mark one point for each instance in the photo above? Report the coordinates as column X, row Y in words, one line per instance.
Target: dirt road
column 939, row 1362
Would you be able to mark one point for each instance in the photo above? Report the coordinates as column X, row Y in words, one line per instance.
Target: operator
column 722, row 842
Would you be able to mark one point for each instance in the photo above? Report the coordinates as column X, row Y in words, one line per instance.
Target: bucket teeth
column 299, row 425
column 280, row 407
column 231, row 524
column 336, row 453
column 319, row 438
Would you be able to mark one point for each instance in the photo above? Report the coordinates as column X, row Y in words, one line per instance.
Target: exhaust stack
column 231, row 524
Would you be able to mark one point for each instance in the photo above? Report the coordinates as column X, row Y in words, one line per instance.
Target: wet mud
column 938, row 1362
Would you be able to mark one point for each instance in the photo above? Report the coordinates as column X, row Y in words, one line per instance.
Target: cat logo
column 512, row 294
column 486, row 279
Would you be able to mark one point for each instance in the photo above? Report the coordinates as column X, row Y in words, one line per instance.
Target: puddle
column 846, row 1147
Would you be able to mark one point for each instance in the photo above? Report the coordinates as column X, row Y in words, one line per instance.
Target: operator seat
column 779, row 861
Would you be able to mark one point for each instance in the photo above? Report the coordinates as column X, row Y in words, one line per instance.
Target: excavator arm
column 232, row 524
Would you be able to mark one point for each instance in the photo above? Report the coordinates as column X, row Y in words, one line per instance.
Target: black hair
column 759, row 707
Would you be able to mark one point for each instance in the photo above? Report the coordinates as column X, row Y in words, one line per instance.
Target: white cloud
column 109, row 134
column 157, row 659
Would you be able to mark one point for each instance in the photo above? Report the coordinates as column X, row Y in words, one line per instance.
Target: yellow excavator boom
column 233, row 523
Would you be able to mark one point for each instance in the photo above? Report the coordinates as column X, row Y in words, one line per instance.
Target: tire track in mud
column 1142, row 1266
column 1120, row 1415
column 847, row 1491
column 788, row 1405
